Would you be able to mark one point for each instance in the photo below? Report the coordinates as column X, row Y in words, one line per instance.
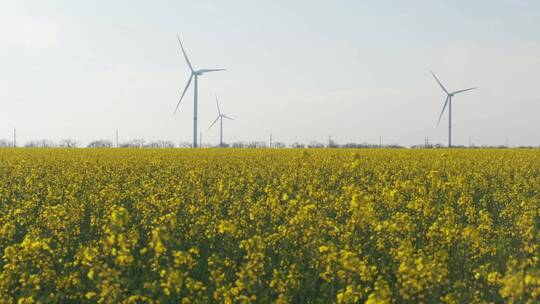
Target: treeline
column 141, row 143
column 440, row 146
column 102, row 143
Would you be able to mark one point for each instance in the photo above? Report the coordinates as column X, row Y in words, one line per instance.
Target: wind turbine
column 220, row 118
column 194, row 75
column 449, row 103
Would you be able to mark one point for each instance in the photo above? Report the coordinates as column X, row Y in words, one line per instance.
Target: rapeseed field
column 269, row 226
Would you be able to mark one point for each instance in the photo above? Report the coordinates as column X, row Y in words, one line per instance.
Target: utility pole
column 329, row 141
column 14, row 137
column 270, row 140
column 426, row 142
column 117, row 139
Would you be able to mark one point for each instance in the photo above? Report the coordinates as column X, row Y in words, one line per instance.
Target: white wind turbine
column 449, row 103
column 194, row 74
column 220, row 118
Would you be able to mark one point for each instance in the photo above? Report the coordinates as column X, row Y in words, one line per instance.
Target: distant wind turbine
column 220, row 118
column 194, row 74
column 449, row 103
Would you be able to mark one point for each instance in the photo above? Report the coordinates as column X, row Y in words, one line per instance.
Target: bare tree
column 239, row 144
column 315, row 144
column 257, row 144
column 160, row 144
column 184, row 144
column 5, row 144
column 44, row 143
column 68, row 143
column 101, row 143
column 135, row 143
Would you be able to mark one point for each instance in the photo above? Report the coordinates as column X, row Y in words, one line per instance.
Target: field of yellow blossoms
column 243, row 226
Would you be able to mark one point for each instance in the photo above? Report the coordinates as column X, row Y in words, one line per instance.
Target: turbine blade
column 217, row 104
column 437, row 79
column 442, row 112
column 225, row 116
column 461, row 91
column 202, row 71
column 183, row 93
column 214, row 122
column 185, row 55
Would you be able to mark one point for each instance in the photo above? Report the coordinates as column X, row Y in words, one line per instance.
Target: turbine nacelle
column 202, row 71
column 460, row 91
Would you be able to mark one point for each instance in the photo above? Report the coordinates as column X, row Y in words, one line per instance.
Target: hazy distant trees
column 100, row 143
column 393, row 146
column 239, row 144
column 5, row 144
column 43, row 143
column 243, row 144
column 160, row 144
column 134, row 143
column 257, row 144
column 141, row 143
column 352, row 145
column 428, row 146
column 184, row 144
column 223, row 145
column 315, row 144
column 68, row 143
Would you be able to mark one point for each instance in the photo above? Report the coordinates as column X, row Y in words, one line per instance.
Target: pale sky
column 301, row 70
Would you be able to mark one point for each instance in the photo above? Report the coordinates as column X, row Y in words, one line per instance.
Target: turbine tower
column 220, row 118
column 194, row 76
column 448, row 102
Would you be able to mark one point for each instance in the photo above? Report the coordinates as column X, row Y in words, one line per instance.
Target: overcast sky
column 301, row 70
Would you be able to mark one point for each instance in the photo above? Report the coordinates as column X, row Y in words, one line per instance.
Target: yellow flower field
column 243, row 226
